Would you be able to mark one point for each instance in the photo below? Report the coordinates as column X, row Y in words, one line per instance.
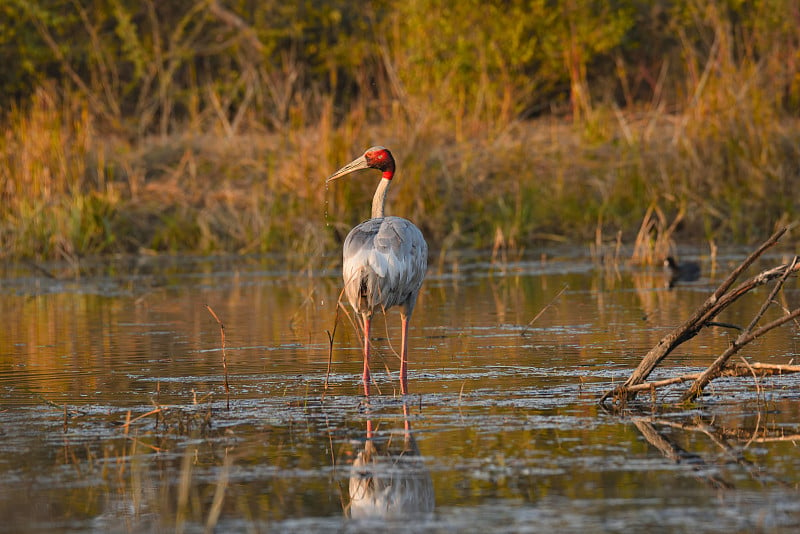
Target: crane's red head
column 377, row 157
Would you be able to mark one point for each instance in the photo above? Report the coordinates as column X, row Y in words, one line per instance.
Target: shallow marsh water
column 501, row 429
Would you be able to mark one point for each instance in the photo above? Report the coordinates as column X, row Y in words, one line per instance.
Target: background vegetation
column 210, row 125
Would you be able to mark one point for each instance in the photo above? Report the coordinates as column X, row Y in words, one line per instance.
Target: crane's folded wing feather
column 384, row 263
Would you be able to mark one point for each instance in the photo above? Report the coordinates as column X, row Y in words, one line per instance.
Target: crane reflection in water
column 388, row 477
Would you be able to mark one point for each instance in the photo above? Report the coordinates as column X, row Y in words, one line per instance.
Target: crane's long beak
column 356, row 164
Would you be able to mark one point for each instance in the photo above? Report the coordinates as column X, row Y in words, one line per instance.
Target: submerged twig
column 128, row 421
column 546, row 306
column 724, row 325
column 224, row 355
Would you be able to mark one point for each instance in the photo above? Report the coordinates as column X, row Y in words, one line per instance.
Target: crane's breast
column 384, row 263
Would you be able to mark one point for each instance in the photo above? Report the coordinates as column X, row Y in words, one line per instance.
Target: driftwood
column 724, row 296
column 734, row 369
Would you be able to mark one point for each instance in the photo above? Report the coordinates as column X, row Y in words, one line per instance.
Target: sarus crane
column 385, row 259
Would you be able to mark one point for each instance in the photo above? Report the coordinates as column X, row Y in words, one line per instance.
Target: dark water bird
column 674, row 272
column 385, row 259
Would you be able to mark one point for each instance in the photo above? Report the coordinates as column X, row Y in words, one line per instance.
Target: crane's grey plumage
column 384, row 264
column 385, row 259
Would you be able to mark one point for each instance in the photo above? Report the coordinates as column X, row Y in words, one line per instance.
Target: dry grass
column 215, row 131
column 648, row 178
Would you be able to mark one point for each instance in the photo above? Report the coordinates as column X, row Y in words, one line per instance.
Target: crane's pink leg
column 404, row 354
column 365, row 376
column 369, row 429
column 406, row 423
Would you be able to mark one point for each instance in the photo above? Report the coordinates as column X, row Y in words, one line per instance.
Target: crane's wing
column 384, row 264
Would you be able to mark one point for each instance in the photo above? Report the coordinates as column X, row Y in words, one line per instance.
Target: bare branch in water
column 703, row 317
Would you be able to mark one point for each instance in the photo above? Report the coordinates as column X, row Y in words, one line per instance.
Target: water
column 114, row 418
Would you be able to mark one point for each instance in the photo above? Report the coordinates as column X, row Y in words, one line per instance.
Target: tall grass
column 58, row 199
column 239, row 165
column 69, row 192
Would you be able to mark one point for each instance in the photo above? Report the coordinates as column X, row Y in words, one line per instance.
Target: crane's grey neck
column 380, row 198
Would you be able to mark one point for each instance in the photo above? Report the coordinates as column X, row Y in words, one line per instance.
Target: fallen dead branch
column 745, row 337
column 703, row 317
column 731, row 370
